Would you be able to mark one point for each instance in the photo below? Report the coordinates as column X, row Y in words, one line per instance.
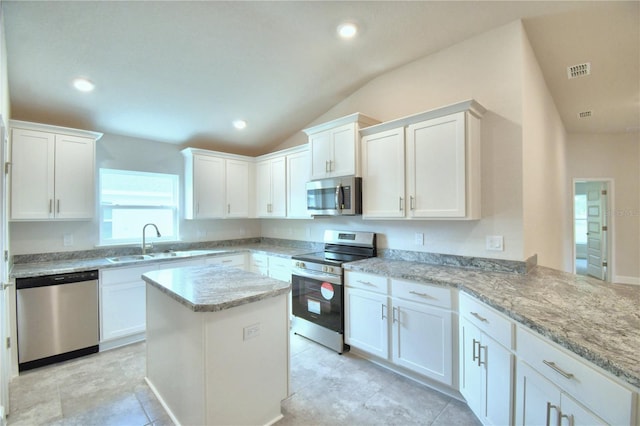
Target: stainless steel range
column 317, row 286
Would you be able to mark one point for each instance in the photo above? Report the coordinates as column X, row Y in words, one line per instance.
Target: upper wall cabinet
column 52, row 172
column 217, row 185
column 271, row 189
column 426, row 166
column 298, row 174
column 334, row 146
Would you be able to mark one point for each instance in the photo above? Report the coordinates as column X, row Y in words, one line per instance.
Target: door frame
column 610, row 249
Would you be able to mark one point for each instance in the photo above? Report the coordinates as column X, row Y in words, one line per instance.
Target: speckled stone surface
column 62, row 266
column 214, row 288
column 596, row 320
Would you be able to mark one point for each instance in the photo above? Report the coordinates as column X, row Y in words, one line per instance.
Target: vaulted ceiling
column 182, row 71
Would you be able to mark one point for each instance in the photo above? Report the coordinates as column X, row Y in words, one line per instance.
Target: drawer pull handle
column 549, row 407
column 480, row 317
column 365, row 282
column 422, row 294
column 553, row 366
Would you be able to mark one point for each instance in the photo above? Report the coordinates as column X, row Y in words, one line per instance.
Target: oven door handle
column 333, row 279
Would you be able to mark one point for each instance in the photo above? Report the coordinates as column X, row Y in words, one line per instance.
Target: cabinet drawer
column 366, row 281
column 259, row 260
column 609, row 400
column 123, row 275
column 422, row 293
column 237, row 260
column 493, row 323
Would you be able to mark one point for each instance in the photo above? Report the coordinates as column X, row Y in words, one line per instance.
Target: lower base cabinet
column 406, row 323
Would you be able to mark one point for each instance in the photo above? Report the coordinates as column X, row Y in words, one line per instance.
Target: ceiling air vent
column 584, row 114
column 579, row 70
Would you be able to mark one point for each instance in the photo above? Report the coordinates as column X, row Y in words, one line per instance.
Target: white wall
column 488, row 69
column 615, row 156
column 546, row 200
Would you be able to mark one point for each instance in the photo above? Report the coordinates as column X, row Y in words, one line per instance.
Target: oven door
column 318, row 297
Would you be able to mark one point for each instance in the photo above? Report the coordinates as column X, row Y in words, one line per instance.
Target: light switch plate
column 419, row 238
column 495, row 242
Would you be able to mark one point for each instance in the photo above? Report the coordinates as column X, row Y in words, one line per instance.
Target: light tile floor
column 327, row 389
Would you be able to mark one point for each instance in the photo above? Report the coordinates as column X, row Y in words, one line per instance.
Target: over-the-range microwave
column 335, row 197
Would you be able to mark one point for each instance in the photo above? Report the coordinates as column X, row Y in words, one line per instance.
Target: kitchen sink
column 131, row 258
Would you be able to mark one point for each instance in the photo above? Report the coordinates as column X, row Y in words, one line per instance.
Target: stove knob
column 300, row 265
column 325, row 269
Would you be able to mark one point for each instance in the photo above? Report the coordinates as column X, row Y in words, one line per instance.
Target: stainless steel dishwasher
column 57, row 318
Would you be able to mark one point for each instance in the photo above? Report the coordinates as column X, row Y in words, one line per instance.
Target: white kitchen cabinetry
column 334, row 147
column 123, row 303
column 271, row 188
column 406, row 323
column 236, row 260
column 52, row 172
column 554, row 386
column 486, row 361
column 272, row 266
column 217, row 185
column 298, row 174
column 435, row 153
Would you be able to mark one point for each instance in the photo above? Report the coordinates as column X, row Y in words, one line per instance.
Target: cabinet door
column 279, row 187
column 238, row 174
column 74, row 177
column 498, row 365
column 320, row 148
column 344, row 158
column 383, row 174
column 422, row 339
column 366, row 322
column 574, row 414
column 471, row 375
column 263, row 188
column 208, row 187
column 537, row 399
column 436, row 167
column 32, row 172
column 259, row 264
column 298, row 174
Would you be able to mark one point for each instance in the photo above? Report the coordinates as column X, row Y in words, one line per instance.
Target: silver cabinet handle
column 475, row 356
column 58, row 206
column 557, row 369
column 412, row 205
column 480, row 361
column 401, row 203
column 50, row 206
column 227, row 261
column 197, row 208
column 326, row 166
column 394, row 314
column 365, row 282
column 228, row 208
column 480, row 317
column 425, row 295
column 383, row 306
column 568, row 417
column 549, row 407
column 330, row 165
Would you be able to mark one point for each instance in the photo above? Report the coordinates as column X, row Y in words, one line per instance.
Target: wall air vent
column 579, row 70
column 584, row 114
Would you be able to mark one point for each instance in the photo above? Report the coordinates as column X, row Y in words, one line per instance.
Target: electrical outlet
column 495, row 242
column 251, row 331
column 419, row 238
column 67, row 239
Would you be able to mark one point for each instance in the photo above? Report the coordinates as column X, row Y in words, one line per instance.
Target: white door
column 263, row 188
column 298, row 174
column 537, row 399
column 498, row 364
column 5, row 353
column 74, row 177
column 208, row 187
column 320, row 146
column 238, row 190
column 596, row 229
column 343, row 161
column 279, row 187
column 471, row 374
column 366, row 323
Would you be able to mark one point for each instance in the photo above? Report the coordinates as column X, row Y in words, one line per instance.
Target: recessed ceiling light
column 83, row 85
column 347, row 30
column 239, row 124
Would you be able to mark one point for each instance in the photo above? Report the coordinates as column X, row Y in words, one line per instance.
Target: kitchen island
column 217, row 344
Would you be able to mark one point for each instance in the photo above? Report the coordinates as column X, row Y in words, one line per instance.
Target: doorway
column 591, row 227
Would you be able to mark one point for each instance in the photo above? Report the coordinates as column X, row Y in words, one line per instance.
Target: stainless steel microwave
column 335, row 197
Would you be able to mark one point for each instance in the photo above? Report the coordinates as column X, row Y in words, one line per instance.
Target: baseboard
column 106, row 345
column 621, row 279
column 162, row 402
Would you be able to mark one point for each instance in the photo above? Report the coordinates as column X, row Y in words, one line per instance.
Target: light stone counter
column 598, row 321
column 214, row 288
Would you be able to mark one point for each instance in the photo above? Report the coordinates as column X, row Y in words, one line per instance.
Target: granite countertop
column 63, row 266
column 598, row 321
column 214, row 288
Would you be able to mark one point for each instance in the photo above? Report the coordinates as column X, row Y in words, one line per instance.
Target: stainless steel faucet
column 144, row 243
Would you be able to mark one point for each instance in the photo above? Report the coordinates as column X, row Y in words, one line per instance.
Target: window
column 130, row 199
column 580, row 218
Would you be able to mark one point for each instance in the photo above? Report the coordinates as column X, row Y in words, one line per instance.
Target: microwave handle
column 339, row 196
